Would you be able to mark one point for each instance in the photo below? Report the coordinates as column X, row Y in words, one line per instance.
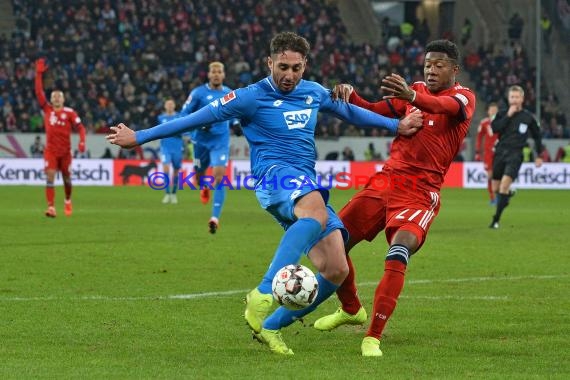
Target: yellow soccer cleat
column 274, row 340
column 370, row 347
column 257, row 307
column 339, row 318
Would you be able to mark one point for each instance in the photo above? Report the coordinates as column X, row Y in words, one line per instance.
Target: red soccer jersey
column 486, row 132
column 58, row 124
column 428, row 154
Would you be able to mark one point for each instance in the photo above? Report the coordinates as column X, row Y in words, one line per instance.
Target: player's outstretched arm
column 127, row 138
column 41, row 68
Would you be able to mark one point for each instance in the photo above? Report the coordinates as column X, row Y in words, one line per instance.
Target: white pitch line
column 244, row 291
column 458, row 298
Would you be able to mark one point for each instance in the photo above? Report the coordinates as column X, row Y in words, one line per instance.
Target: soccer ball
column 295, row 287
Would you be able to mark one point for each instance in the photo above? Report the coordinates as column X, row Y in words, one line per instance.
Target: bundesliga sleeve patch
column 228, row 98
column 462, row 98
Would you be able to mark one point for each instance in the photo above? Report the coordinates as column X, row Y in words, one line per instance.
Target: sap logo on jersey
column 297, row 119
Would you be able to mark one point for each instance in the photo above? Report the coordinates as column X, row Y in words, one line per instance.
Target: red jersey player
column 58, row 123
column 486, row 132
column 403, row 199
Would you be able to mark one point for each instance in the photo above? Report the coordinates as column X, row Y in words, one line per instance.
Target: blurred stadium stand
column 116, row 61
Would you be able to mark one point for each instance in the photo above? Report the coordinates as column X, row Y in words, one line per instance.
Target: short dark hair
column 444, row 46
column 289, row 41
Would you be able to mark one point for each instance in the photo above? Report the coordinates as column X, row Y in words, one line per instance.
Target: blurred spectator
column 37, row 148
column 116, row 60
column 563, row 154
column 347, row 154
column 466, row 30
column 107, row 153
column 370, row 154
column 516, row 24
column 546, row 28
column 352, row 131
column 545, row 154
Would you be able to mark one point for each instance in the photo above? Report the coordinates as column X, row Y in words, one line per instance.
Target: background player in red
column 403, row 199
column 58, row 123
column 485, row 131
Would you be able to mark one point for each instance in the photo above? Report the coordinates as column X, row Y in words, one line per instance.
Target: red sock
column 490, row 190
column 50, row 195
column 67, row 187
column 386, row 296
column 347, row 293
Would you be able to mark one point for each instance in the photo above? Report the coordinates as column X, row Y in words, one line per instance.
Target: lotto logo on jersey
column 228, row 98
column 297, row 119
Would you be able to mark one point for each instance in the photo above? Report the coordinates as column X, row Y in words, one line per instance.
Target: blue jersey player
column 211, row 142
column 279, row 115
column 171, row 149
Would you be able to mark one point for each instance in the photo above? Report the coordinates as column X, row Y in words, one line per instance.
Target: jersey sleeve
column 39, row 89
column 78, row 125
column 230, row 106
column 237, row 104
column 460, row 105
column 388, row 107
column 356, row 115
column 192, row 103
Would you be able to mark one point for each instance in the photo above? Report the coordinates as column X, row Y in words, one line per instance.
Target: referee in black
column 514, row 127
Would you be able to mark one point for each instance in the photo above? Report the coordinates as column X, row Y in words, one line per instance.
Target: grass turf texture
column 93, row 296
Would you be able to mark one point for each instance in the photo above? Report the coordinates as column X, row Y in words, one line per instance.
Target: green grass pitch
column 131, row 288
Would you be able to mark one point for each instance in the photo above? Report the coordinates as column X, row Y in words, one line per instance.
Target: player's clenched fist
column 41, row 65
column 122, row 136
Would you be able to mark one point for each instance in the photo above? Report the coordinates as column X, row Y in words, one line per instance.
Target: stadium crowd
column 119, row 60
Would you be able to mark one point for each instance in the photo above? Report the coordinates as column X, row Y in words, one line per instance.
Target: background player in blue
column 211, row 142
column 279, row 115
column 171, row 149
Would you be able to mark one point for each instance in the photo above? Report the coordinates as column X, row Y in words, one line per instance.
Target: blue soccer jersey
column 279, row 126
column 202, row 96
column 173, row 144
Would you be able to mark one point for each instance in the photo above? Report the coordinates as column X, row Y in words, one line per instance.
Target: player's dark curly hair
column 444, row 46
column 289, row 41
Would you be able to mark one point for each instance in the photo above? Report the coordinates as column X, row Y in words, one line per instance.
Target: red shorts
column 391, row 209
column 61, row 163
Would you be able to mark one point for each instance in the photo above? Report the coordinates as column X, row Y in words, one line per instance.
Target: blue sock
column 294, row 243
column 219, row 197
column 174, row 184
column 283, row 317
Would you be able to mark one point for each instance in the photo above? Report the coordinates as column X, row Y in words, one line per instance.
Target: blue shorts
column 174, row 158
column 214, row 152
column 280, row 189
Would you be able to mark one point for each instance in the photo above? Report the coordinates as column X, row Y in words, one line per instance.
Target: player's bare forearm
column 122, row 136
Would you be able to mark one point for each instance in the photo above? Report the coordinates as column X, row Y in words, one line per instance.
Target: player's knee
column 336, row 272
